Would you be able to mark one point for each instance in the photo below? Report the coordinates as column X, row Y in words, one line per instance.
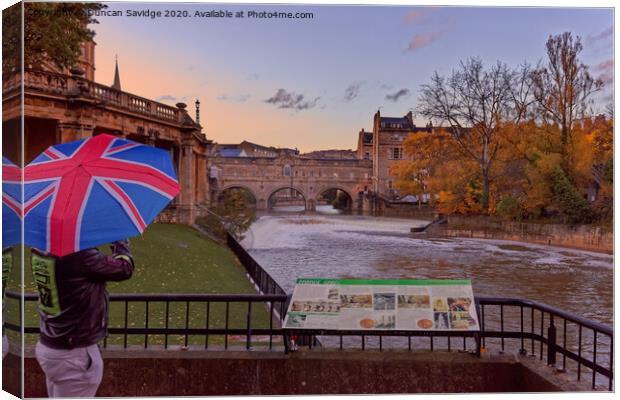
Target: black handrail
column 607, row 330
column 242, row 297
column 261, row 278
column 549, row 338
column 269, row 302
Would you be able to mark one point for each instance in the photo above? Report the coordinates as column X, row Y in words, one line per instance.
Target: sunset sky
column 314, row 83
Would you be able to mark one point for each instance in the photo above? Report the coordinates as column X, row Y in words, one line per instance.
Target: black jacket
column 73, row 300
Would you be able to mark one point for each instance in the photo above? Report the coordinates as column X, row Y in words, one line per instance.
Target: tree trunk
column 485, row 191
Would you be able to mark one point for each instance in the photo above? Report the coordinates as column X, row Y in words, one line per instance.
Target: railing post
column 551, row 337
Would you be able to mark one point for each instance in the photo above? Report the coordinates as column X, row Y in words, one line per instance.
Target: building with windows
column 384, row 147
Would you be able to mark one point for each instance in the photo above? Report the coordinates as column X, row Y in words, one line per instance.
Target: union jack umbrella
column 89, row 192
column 11, row 205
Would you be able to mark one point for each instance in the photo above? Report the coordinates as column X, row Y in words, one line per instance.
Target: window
column 286, row 170
column 396, row 153
column 367, row 156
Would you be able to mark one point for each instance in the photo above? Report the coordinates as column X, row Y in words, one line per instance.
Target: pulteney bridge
column 306, row 179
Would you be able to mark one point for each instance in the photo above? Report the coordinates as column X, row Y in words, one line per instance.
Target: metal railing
column 530, row 327
column 553, row 331
column 192, row 305
column 523, row 326
column 261, row 278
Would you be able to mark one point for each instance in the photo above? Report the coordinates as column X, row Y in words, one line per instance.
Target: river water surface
column 290, row 246
column 293, row 246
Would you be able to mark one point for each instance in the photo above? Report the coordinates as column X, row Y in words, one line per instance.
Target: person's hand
column 120, row 243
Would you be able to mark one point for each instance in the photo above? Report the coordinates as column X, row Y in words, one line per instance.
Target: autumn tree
column 525, row 167
column 234, row 214
column 475, row 103
column 592, row 149
column 52, row 32
column 562, row 88
column 438, row 167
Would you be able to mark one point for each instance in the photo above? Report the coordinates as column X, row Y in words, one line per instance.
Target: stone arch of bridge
column 249, row 190
column 326, row 188
column 288, row 187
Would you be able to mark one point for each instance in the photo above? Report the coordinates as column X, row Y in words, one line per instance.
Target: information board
column 355, row 304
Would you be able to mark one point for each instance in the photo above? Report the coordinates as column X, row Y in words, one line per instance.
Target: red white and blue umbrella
column 89, row 192
column 11, row 205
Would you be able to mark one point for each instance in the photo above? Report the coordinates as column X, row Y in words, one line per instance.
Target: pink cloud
column 606, row 69
column 418, row 14
column 606, row 65
column 601, row 36
column 423, row 40
column 607, row 78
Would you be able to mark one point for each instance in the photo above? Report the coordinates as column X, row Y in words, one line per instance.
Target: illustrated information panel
column 352, row 304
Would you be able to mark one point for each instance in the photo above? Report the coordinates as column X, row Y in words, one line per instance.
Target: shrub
column 232, row 215
column 508, row 207
column 572, row 204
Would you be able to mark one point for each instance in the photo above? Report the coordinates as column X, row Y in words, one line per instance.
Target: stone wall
column 214, row 373
column 407, row 210
column 585, row 237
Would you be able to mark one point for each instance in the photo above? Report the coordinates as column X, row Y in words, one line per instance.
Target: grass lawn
column 169, row 259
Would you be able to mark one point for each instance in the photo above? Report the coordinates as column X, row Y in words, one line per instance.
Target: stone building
column 364, row 145
column 384, row 147
column 62, row 106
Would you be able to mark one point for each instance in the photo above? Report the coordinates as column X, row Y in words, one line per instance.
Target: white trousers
column 71, row 373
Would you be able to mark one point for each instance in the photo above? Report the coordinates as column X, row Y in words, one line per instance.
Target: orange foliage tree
column 518, row 143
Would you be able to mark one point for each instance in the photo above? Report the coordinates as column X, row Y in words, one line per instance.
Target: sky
column 315, row 83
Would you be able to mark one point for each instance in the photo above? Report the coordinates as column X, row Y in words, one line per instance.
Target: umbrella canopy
column 89, row 192
column 11, row 205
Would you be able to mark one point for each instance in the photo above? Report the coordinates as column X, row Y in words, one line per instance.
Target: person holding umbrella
column 73, row 312
column 7, row 264
column 77, row 196
column 11, row 226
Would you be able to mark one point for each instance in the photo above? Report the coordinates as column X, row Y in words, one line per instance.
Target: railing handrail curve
column 512, row 301
column 515, row 301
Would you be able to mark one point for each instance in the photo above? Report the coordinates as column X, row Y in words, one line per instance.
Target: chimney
column 409, row 116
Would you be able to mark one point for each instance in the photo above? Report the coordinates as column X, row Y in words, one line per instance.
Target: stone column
column 71, row 131
column 202, row 184
column 186, row 182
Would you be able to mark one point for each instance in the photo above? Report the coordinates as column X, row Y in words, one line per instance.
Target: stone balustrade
column 72, row 85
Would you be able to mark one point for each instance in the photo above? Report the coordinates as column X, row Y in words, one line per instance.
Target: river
column 328, row 245
column 290, row 246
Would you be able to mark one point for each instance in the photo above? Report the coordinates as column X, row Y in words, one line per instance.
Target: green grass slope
column 169, row 259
